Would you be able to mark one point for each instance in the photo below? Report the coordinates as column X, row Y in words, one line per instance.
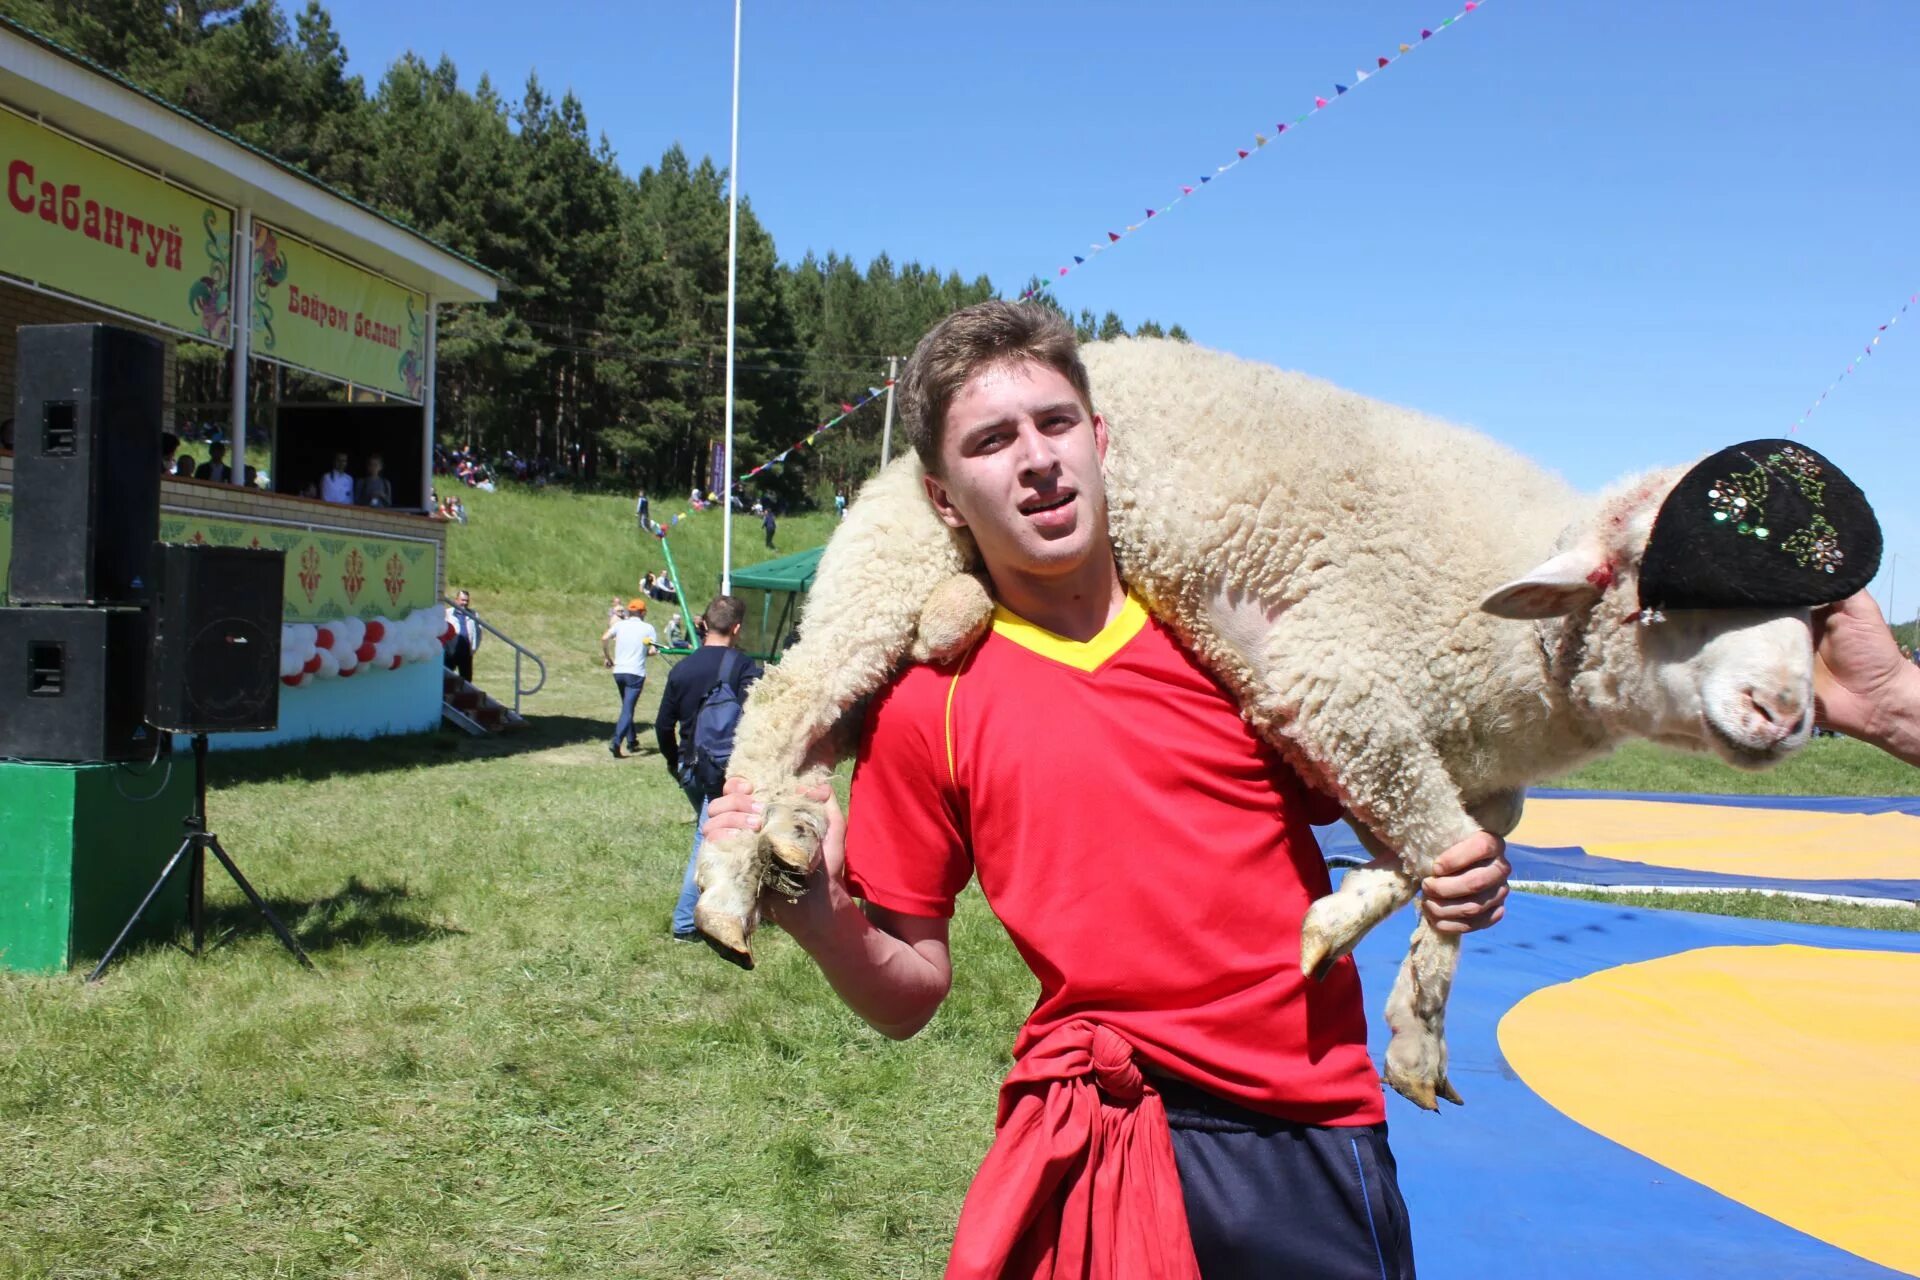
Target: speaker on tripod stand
column 214, row 668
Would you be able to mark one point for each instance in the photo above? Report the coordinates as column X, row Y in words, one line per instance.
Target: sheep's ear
column 1569, row 581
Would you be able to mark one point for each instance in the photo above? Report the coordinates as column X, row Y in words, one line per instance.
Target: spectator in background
column 169, row 449
column 373, row 489
column 767, row 522
column 215, row 468
column 640, row 512
column 689, row 685
column 183, row 467
column 466, row 636
column 633, row 639
column 337, row 484
column 840, row 504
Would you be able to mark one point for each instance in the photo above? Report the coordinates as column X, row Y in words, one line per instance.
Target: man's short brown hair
column 723, row 614
column 970, row 340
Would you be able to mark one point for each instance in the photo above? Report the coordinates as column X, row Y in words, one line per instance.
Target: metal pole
column 886, row 431
column 680, row 594
column 427, row 407
column 240, row 313
column 733, row 236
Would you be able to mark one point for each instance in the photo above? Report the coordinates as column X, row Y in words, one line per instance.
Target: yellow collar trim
column 1087, row 655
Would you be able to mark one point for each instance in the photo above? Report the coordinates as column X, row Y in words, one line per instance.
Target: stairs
column 471, row 708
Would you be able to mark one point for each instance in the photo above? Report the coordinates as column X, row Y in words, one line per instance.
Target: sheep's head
column 1734, row 682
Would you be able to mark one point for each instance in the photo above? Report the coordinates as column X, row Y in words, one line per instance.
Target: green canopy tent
column 774, row 591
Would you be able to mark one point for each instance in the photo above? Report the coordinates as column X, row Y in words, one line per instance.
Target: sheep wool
column 1421, row 620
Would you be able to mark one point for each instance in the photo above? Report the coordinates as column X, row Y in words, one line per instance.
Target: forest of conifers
column 605, row 353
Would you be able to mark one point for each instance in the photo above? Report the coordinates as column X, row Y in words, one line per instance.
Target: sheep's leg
column 1417, row 1007
column 1367, row 895
column 1417, row 1012
column 884, row 561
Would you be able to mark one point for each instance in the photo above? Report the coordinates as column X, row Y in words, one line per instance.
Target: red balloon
column 292, row 682
column 312, row 665
column 375, row 631
column 322, row 638
column 396, row 663
column 364, row 653
column 347, row 671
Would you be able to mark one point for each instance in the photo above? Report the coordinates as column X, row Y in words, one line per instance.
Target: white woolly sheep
column 1339, row 564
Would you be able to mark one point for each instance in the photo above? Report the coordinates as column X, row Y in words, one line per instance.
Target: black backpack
column 713, row 727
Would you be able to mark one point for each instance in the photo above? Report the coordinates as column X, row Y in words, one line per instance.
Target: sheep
column 1419, row 619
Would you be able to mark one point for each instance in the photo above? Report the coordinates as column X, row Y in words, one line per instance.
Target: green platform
column 79, row 846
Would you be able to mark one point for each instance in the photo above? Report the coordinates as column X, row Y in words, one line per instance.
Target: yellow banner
column 85, row 224
column 329, row 574
column 315, row 311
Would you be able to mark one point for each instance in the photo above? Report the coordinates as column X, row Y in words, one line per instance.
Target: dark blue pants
column 629, row 687
column 1268, row 1198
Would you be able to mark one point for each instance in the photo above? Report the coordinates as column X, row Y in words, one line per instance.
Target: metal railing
column 519, row 651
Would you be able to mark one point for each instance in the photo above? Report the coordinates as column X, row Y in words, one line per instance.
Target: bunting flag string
column 1321, row 102
column 847, row 409
column 1854, row 363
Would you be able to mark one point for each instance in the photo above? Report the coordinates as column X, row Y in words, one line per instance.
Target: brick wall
column 20, row 306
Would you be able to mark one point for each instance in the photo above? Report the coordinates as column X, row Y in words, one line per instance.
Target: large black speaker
column 215, row 665
column 70, row 685
column 86, row 463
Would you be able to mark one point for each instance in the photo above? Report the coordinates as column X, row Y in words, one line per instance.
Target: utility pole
column 733, row 236
column 886, row 432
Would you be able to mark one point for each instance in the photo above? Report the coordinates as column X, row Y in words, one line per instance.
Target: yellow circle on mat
column 1787, row 1078
column 1792, row 844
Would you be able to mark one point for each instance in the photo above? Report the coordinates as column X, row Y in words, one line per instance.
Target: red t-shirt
column 1147, row 852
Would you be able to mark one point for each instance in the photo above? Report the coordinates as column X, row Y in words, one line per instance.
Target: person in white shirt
column 337, row 484
column 632, row 638
column 466, row 636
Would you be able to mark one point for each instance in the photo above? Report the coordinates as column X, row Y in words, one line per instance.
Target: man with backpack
column 695, row 725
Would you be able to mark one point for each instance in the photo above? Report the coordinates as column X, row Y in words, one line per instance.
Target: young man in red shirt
column 1184, row 1102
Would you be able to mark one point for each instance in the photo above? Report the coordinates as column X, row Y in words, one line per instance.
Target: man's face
column 339, row 462
column 1020, row 467
column 463, row 600
column 373, row 466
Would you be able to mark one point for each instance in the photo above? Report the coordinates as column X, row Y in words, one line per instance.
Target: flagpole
column 733, row 236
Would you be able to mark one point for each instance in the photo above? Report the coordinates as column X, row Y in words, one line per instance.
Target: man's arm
column 666, row 724
column 605, row 656
column 1861, row 685
column 892, row 969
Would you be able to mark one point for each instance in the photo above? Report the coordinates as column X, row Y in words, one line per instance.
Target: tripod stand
column 192, row 854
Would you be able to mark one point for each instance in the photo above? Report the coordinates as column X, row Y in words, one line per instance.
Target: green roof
column 788, row 573
column 75, row 56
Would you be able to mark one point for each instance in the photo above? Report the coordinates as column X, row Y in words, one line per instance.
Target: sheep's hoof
column 1425, row 1094
column 792, row 836
column 786, row 882
column 1330, row 931
column 726, row 934
column 1417, row 1070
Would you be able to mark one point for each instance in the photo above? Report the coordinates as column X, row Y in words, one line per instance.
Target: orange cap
column 636, row 605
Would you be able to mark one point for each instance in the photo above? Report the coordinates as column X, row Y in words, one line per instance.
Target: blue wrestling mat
column 1847, row 847
column 1664, row 1094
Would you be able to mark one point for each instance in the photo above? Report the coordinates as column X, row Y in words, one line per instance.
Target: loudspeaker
column 70, row 685
column 86, row 463
column 215, row 665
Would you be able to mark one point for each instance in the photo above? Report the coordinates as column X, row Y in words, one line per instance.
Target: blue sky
column 1611, row 235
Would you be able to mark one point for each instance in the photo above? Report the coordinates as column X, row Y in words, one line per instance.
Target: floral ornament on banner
column 1853, row 364
column 847, row 409
column 346, row 646
column 1320, row 103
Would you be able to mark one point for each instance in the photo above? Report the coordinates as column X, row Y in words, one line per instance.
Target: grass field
column 506, row 1067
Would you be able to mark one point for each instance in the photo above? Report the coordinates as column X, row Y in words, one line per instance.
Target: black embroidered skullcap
column 1765, row 524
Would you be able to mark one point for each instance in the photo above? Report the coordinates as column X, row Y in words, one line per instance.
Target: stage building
column 119, row 207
